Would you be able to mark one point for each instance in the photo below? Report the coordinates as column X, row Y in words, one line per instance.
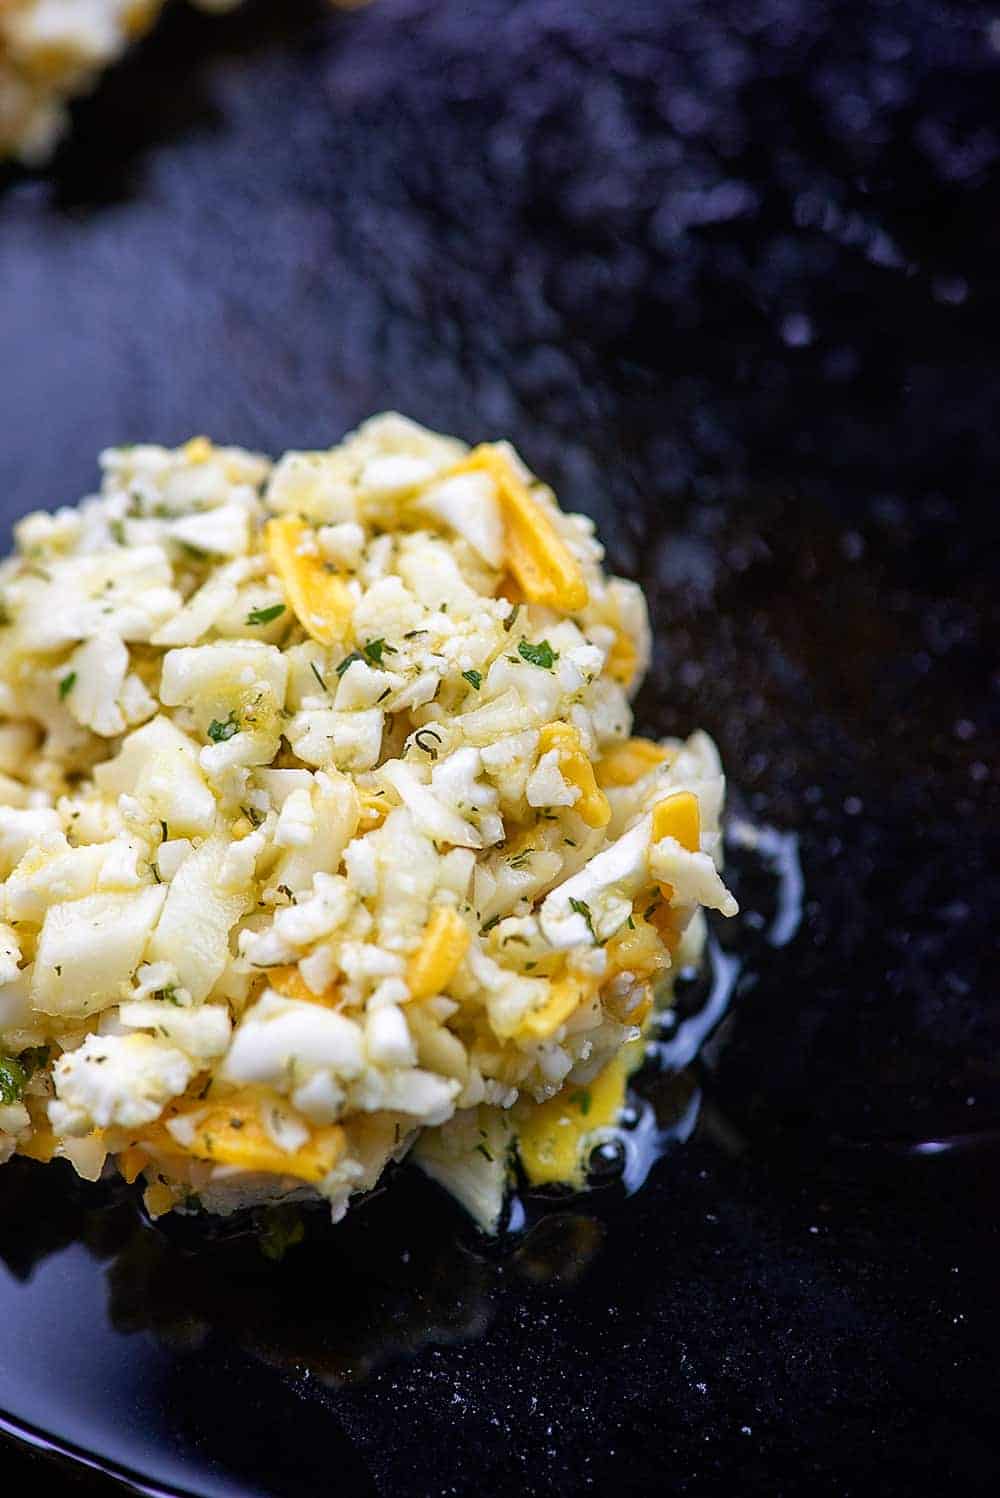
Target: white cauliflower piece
column 116, row 1080
column 88, row 950
column 201, row 1032
column 280, row 1042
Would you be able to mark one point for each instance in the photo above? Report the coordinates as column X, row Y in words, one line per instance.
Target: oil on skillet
column 185, row 1278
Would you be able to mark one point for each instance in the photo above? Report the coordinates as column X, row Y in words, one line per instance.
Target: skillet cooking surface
column 727, row 275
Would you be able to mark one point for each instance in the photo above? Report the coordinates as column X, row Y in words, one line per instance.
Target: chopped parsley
column 582, row 1100
column 66, row 685
column 375, row 649
column 520, row 859
column 12, row 1080
column 474, row 679
column 220, row 732
column 318, row 674
column 541, row 654
column 266, row 616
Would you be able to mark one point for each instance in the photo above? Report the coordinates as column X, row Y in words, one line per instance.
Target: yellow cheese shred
column 444, row 943
column 230, row 1132
column 592, row 804
column 566, row 994
column 320, row 600
column 542, row 564
column 552, row 1137
column 623, row 659
column 290, row 982
column 677, row 816
column 626, row 763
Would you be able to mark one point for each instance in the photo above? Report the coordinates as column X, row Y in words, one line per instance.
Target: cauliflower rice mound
column 51, row 51
column 323, row 837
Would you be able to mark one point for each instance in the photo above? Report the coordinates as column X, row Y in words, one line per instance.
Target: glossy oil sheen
column 727, row 276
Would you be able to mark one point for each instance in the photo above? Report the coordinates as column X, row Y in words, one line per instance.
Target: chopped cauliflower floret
column 116, row 1080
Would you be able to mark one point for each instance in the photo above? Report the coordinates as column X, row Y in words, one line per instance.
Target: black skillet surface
column 727, row 274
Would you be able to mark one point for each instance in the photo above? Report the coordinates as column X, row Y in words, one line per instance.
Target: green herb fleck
column 520, row 859
column 12, row 1080
column 582, row 908
column 474, row 679
column 375, row 649
column 349, row 660
column 484, row 1152
column 266, row 616
column 428, row 733
column 220, row 732
column 494, row 921
column 541, row 654
column 582, row 1100
column 66, row 685
column 508, row 623
column 318, row 674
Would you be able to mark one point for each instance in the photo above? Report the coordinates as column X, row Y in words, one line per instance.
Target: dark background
column 727, row 275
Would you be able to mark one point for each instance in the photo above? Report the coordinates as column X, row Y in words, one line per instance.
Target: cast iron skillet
column 727, row 275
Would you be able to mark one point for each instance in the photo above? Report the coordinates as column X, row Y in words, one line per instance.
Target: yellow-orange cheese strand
column 231, row 1133
column 289, row 982
column 444, row 943
column 592, row 804
column 542, row 564
column 623, row 659
column 677, row 816
column 626, row 763
column 566, row 994
column 552, row 1137
column 320, row 600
